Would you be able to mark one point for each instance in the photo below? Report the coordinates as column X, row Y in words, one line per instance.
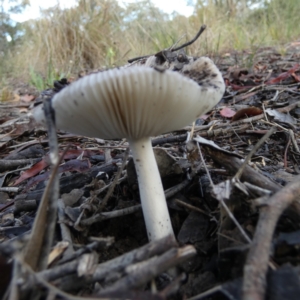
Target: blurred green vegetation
column 10, row 32
column 101, row 34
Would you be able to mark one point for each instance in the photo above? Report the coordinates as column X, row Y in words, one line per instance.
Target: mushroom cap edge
column 130, row 103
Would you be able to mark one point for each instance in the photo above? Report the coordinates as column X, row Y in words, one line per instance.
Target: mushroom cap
column 131, row 103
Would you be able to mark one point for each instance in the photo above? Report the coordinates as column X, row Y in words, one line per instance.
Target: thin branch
column 235, row 221
column 111, row 188
column 252, row 152
column 256, row 267
column 192, row 207
column 202, row 28
column 232, row 217
column 160, row 53
column 109, row 215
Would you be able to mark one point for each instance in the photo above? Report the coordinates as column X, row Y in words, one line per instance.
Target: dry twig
column 255, row 269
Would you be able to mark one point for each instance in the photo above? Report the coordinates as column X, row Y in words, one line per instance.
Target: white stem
column 152, row 195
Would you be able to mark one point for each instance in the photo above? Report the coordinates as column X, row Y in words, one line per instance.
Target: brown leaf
column 296, row 77
column 236, row 87
column 246, row 112
column 80, row 166
column 74, row 153
column 284, row 75
column 37, row 168
column 23, row 127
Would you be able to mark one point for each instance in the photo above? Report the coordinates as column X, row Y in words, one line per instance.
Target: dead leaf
column 284, row 75
column 71, row 198
column 236, row 87
column 281, row 117
column 164, row 162
column 246, row 112
column 80, row 166
column 57, row 251
column 27, row 98
column 74, row 153
column 227, row 112
column 34, row 170
column 296, row 77
column 16, row 97
column 23, row 110
column 38, row 167
column 244, row 96
column 23, row 126
column 87, row 264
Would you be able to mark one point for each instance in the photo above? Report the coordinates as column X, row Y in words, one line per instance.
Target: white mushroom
column 136, row 103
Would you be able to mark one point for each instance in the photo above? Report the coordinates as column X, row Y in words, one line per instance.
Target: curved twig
column 160, row 53
column 256, row 267
column 202, row 28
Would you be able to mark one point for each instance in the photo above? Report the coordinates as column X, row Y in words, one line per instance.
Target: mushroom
column 136, row 103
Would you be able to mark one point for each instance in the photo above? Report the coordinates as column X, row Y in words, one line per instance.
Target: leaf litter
column 231, row 183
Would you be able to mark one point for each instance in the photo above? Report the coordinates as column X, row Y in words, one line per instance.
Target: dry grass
column 106, row 35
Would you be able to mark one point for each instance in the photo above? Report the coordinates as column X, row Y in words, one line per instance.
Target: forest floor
column 237, row 226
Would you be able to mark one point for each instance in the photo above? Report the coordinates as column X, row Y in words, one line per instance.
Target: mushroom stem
column 155, row 210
